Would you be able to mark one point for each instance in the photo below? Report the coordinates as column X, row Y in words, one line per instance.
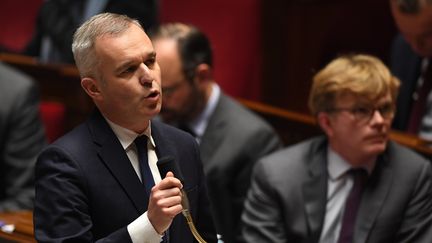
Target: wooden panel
column 23, row 222
column 300, row 37
column 294, row 127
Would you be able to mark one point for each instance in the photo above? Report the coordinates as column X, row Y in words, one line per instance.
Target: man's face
column 358, row 129
column 416, row 28
column 181, row 98
column 130, row 80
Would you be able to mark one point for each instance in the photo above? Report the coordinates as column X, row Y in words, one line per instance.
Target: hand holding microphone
column 165, row 165
column 164, row 203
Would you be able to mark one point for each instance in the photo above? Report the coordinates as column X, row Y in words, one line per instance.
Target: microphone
column 166, row 164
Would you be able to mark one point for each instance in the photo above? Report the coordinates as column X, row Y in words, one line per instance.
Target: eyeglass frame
column 386, row 111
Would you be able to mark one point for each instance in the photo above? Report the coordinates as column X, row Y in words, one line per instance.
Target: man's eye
column 150, row 62
column 385, row 109
column 129, row 70
column 362, row 110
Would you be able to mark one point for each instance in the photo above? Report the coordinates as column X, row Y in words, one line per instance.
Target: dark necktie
column 352, row 205
column 146, row 175
column 419, row 105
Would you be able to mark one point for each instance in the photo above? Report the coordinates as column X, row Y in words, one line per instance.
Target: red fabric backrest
column 53, row 118
column 233, row 27
column 17, row 21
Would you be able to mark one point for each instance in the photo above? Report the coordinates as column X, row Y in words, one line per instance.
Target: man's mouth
column 153, row 94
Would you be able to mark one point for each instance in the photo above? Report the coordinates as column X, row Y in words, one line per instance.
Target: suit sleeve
column 24, row 140
column 417, row 224
column 262, row 221
column 61, row 210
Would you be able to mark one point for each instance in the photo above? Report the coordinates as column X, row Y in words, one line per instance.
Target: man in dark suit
column 353, row 185
column 93, row 183
column 231, row 137
column 410, row 57
column 22, row 137
column 58, row 19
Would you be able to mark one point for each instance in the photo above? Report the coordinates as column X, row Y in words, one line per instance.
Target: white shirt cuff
column 142, row 231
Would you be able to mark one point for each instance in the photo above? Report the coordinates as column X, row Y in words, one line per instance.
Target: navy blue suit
column 87, row 189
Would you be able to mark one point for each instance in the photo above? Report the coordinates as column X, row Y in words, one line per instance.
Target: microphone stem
column 192, row 227
column 188, row 216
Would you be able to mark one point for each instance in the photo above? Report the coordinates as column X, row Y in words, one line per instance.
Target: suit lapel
column 315, row 193
column 114, row 157
column 373, row 198
column 166, row 147
column 213, row 136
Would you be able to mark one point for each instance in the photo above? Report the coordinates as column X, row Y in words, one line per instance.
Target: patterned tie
column 352, row 205
column 146, row 175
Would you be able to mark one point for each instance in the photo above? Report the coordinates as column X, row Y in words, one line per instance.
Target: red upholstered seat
column 53, row 118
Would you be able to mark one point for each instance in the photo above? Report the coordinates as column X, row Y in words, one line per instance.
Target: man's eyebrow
column 124, row 65
column 152, row 54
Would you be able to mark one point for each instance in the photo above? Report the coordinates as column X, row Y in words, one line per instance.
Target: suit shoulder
column 294, row 159
column 405, row 157
column 237, row 115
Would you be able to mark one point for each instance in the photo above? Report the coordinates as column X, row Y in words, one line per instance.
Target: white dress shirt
column 339, row 184
column 140, row 230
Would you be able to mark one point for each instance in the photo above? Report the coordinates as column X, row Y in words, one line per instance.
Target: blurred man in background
column 22, row 137
column 351, row 185
column 411, row 63
column 231, row 138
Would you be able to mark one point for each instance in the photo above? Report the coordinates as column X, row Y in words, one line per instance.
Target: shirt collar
column 337, row 166
column 127, row 137
column 199, row 124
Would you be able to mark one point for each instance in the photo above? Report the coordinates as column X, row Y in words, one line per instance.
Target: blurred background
column 265, row 50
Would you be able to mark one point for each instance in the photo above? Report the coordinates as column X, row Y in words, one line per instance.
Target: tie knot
column 359, row 175
column 141, row 142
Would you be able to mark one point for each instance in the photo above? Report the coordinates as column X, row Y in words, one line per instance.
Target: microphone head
column 168, row 163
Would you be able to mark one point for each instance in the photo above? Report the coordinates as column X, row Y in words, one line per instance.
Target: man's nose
column 145, row 75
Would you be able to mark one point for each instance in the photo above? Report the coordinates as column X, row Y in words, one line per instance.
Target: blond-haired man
column 351, row 185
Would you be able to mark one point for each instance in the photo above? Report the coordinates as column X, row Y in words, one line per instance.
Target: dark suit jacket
column 287, row 200
column 87, row 189
column 58, row 20
column 22, row 137
column 233, row 141
column 406, row 65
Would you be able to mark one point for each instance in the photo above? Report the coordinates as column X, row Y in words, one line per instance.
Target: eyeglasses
column 365, row 113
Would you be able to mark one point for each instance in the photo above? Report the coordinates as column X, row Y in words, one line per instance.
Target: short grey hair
column 85, row 37
column 411, row 6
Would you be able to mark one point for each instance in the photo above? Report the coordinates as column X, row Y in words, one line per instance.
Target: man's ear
column 90, row 86
column 325, row 122
column 203, row 73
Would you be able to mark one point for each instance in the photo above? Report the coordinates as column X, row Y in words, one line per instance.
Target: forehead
column 413, row 24
column 350, row 99
column 133, row 43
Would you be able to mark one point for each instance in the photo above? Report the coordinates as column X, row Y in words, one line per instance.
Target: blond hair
column 360, row 74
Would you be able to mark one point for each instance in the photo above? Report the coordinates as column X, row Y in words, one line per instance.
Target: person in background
column 410, row 62
column 22, row 137
column 100, row 182
column 58, row 19
column 231, row 138
column 351, row 185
